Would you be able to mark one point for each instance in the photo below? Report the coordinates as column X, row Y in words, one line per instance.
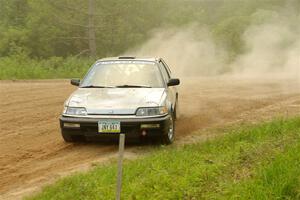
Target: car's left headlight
column 152, row 111
column 75, row 111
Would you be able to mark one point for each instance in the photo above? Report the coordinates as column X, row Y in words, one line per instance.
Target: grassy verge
column 260, row 162
column 22, row 67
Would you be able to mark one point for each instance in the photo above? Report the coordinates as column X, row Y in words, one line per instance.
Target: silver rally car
column 135, row 96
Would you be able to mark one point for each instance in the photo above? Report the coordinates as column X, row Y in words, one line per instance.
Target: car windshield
column 123, row 74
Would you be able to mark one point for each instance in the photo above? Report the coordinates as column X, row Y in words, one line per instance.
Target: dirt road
column 33, row 152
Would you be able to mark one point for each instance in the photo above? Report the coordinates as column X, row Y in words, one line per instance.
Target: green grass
column 257, row 162
column 22, row 67
column 279, row 179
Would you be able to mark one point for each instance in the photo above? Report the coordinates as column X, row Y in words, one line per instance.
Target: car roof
column 152, row 59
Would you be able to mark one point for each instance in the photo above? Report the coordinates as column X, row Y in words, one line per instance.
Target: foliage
column 21, row 67
column 59, row 28
column 43, row 29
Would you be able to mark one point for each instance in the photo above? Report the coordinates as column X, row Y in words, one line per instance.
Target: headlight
column 75, row 111
column 152, row 111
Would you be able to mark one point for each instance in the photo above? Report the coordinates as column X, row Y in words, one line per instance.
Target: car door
column 172, row 90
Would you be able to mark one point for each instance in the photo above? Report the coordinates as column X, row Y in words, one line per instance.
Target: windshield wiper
column 95, row 86
column 133, row 86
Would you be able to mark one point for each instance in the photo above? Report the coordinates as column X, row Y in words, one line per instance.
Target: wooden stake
column 120, row 165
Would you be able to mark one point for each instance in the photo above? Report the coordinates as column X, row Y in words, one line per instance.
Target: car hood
column 115, row 100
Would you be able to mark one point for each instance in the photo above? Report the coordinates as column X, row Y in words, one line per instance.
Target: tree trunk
column 91, row 29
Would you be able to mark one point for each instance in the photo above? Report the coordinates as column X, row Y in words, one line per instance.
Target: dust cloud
column 272, row 48
column 190, row 50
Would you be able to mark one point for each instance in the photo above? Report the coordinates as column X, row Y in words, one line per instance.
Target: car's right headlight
column 152, row 111
column 75, row 111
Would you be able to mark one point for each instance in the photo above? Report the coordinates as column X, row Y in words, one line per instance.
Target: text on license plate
column 109, row 127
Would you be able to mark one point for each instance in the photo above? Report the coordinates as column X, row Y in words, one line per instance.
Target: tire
column 169, row 134
column 175, row 113
column 176, row 110
column 67, row 137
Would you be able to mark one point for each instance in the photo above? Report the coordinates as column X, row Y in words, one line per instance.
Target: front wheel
column 169, row 135
column 66, row 136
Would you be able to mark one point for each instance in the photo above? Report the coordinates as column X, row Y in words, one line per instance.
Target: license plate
column 109, row 127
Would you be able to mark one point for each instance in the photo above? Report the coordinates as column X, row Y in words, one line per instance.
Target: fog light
column 71, row 125
column 144, row 133
column 145, row 126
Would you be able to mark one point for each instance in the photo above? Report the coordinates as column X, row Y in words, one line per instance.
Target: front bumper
column 130, row 126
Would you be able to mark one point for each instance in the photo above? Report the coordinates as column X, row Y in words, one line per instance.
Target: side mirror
column 75, row 82
column 173, row 82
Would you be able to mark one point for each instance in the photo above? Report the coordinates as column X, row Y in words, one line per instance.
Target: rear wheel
column 169, row 135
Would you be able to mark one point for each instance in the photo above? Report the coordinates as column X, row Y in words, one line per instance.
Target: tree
column 91, row 29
